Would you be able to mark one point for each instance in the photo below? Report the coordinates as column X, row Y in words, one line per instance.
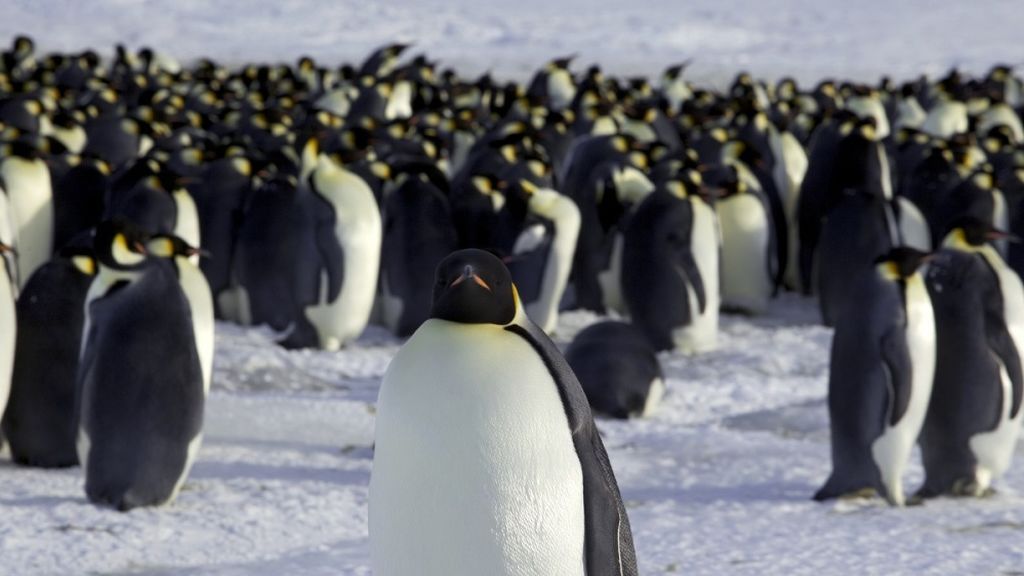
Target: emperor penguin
column 618, row 369
column 749, row 257
column 197, row 292
column 139, row 376
column 344, row 304
column 418, row 234
column 880, row 378
column 487, row 459
column 554, row 84
column 40, row 422
column 26, row 179
column 670, row 270
column 974, row 418
column 542, row 255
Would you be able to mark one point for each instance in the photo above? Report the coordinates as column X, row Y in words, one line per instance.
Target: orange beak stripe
column 476, row 279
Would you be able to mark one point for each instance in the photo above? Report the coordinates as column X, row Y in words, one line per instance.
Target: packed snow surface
column 808, row 39
column 718, row 481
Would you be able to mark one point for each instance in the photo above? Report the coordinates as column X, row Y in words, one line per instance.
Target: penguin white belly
column 186, row 223
column 654, row 395
column 8, row 333
column 946, row 119
column 1000, row 219
column 1001, row 115
column 789, row 176
column 746, row 279
column 892, row 449
column 913, row 226
column 200, row 301
column 993, row 450
column 610, row 279
column 474, row 471
column 234, row 305
column 73, row 138
column 702, row 333
column 561, row 89
column 190, row 458
column 909, row 113
column 31, row 201
column 359, row 230
column 566, row 217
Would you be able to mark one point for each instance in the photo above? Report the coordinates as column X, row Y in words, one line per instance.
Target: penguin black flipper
column 688, row 266
column 608, row 541
column 1001, row 343
column 896, row 359
column 332, row 257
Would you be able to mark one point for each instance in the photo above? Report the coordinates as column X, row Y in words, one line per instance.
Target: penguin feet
column 970, row 487
column 862, row 494
column 915, row 500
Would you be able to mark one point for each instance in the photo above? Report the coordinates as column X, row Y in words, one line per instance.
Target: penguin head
column 474, row 287
column 81, row 257
column 120, row 244
column 901, row 262
column 970, row 233
column 169, row 246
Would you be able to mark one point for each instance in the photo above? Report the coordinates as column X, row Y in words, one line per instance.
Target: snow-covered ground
column 808, row 39
column 717, row 482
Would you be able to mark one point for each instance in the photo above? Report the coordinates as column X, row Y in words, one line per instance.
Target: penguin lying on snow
column 880, row 378
column 506, row 475
column 618, row 369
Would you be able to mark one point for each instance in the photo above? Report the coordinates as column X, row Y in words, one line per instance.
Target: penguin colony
column 142, row 199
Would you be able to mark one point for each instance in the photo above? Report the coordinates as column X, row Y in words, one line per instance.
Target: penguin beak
column 468, row 274
column 202, row 252
column 1002, row 235
column 138, row 248
column 5, row 249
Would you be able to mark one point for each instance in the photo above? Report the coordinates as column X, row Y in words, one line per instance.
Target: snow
column 718, row 481
column 808, row 39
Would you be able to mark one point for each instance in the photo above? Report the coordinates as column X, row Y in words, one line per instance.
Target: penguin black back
column 40, row 423
column 658, row 268
column 617, row 368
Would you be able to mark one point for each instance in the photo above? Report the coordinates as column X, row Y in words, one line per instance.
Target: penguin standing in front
column 880, row 378
column 618, row 370
column 140, row 377
column 974, row 418
column 487, row 458
column 40, row 421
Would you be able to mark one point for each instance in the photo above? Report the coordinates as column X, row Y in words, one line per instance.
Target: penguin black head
column 971, row 232
column 474, row 287
column 169, row 246
column 902, row 261
column 120, row 244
